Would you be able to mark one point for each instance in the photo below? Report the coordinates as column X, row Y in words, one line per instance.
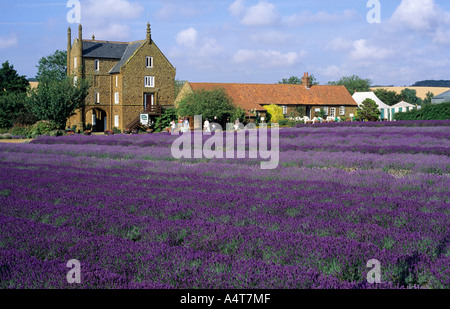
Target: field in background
column 137, row 218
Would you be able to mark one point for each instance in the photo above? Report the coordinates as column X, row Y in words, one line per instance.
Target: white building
column 385, row 109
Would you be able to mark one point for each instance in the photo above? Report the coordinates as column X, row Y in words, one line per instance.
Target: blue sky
column 248, row 41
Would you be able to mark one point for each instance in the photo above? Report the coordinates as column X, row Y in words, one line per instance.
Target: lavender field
column 137, row 218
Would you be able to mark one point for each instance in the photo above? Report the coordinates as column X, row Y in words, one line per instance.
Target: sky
column 390, row 42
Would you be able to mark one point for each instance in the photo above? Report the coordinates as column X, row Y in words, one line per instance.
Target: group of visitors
column 184, row 125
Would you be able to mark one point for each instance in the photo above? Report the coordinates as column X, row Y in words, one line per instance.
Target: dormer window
column 97, row 65
column 149, row 62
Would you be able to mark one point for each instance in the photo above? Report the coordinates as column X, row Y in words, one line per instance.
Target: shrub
column 428, row 112
column 116, row 130
column 283, row 122
column 43, row 127
column 20, row 129
column 275, row 111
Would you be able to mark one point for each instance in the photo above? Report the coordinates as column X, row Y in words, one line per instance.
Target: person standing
column 236, row 124
column 206, row 126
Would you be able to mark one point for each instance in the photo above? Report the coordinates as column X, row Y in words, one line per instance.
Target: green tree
column 13, row 110
column 209, row 104
column 368, row 111
column 428, row 97
column 53, row 67
column 294, row 80
column 410, row 96
column 164, row 121
column 388, row 97
column 11, row 81
column 353, row 83
column 57, row 100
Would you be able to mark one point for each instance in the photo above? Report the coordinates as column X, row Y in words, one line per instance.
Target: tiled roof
column 254, row 96
column 102, row 49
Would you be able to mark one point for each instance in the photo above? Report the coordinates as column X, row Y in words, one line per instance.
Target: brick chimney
column 306, row 80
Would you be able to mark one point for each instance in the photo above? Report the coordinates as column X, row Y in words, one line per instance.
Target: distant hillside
column 432, row 83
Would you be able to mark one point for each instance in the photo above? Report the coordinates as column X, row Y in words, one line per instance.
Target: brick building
column 335, row 100
column 129, row 78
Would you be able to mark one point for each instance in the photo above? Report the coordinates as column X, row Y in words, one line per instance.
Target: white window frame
column 97, row 98
column 116, row 98
column 342, row 110
column 97, row 65
column 149, row 81
column 116, row 121
column 75, row 80
column 333, row 112
column 325, row 108
column 117, row 81
column 285, row 108
column 147, row 60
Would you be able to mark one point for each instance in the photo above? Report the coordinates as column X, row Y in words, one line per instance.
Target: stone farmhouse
column 129, row 78
column 335, row 100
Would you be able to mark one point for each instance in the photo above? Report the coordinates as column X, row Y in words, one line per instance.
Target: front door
column 149, row 101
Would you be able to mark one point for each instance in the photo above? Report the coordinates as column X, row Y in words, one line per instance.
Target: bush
column 20, row 129
column 43, row 127
column 283, row 122
column 275, row 111
column 116, row 130
column 428, row 112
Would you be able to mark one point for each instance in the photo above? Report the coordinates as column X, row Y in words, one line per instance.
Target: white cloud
column 442, row 36
column 267, row 58
column 187, row 37
column 261, row 14
column 362, row 52
column 331, row 71
column 419, row 15
column 7, row 42
column 107, row 19
column 196, row 48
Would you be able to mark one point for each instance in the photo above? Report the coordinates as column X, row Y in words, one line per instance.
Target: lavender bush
column 137, row 218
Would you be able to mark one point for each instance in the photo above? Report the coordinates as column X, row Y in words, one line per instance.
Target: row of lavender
column 149, row 222
column 427, row 140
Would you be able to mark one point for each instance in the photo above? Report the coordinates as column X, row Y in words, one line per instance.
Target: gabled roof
column 359, row 97
column 104, row 49
column 402, row 104
column 254, row 96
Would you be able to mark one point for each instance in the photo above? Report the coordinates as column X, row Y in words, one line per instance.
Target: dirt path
column 15, row 140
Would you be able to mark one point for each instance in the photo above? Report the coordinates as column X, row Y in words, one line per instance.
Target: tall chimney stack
column 306, row 80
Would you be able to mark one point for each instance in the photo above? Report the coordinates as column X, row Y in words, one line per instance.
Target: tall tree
column 57, row 100
column 368, row 111
column 13, row 109
column 52, row 67
column 209, row 104
column 11, row 81
column 410, row 96
column 428, row 97
column 294, row 80
column 353, row 83
column 387, row 96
